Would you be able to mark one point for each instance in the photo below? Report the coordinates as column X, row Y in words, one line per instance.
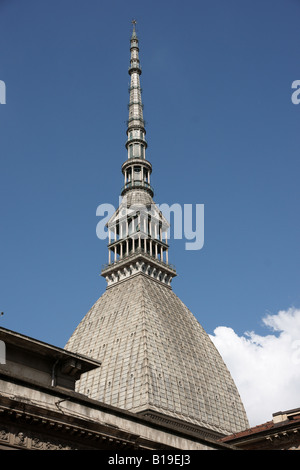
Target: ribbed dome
column 138, row 197
column 156, row 356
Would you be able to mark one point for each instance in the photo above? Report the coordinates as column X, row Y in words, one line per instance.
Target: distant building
column 282, row 433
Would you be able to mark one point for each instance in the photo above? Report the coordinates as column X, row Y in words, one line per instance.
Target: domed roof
column 138, row 197
column 156, row 357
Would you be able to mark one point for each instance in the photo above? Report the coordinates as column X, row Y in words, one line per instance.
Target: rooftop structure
column 281, row 433
column 156, row 359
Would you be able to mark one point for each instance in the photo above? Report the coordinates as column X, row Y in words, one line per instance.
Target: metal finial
column 134, row 23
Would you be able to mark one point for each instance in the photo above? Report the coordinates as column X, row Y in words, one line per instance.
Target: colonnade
column 129, row 174
column 136, row 235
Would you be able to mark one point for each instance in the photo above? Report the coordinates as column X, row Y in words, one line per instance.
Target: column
column 155, row 229
column 109, row 252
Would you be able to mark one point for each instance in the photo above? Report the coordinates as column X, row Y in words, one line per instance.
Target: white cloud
column 266, row 369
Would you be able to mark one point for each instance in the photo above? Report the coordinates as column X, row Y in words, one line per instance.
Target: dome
column 156, row 359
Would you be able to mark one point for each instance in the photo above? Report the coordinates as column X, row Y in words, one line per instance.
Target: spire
column 137, row 231
column 133, row 29
column 156, row 359
column 136, row 176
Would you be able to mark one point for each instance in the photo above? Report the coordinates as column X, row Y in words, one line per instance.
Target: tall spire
column 136, row 176
column 156, row 359
column 137, row 231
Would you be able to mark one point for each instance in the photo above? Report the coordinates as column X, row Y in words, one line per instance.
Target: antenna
column 134, row 23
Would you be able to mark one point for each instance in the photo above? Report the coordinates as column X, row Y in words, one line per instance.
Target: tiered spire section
column 136, row 170
column 137, row 231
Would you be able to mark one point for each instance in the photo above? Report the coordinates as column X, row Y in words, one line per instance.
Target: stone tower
column 156, row 359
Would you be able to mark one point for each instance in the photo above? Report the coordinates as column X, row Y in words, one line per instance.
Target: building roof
column 273, row 429
column 155, row 356
column 27, row 357
column 39, row 413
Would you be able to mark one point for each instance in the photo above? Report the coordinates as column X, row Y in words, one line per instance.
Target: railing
column 138, row 160
column 136, row 118
column 137, row 184
column 140, row 140
column 135, row 66
column 137, row 251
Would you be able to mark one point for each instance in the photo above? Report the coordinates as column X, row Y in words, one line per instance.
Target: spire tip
column 133, row 28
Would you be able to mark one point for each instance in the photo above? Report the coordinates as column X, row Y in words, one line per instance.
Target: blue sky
column 222, row 131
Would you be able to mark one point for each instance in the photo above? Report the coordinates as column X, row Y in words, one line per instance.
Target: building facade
column 40, row 409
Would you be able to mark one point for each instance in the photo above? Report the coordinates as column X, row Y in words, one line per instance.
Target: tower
column 156, row 359
column 138, row 230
